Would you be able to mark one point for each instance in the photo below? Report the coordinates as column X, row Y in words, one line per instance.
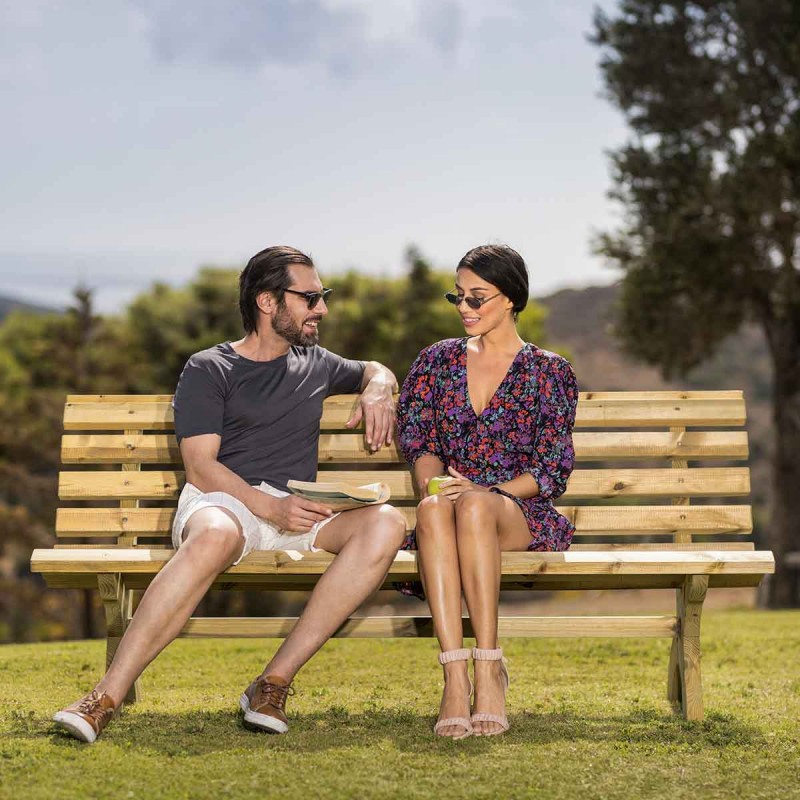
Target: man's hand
column 458, row 484
column 376, row 408
column 295, row 513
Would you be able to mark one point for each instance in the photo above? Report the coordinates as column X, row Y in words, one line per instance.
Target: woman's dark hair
column 504, row 268
column 267, row 271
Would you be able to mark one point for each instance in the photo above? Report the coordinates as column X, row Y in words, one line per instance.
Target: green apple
column 435, row 483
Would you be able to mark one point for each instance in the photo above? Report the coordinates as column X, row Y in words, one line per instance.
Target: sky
column 142, row 139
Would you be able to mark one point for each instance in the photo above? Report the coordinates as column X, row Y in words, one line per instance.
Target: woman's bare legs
column 439, row 569
column 486, row 524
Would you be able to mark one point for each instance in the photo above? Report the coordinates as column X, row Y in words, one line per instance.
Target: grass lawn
column 589, row 720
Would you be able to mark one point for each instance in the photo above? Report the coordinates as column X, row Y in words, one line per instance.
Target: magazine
column 341, row 496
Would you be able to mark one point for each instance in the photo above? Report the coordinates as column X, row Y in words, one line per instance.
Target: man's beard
column 284, row 325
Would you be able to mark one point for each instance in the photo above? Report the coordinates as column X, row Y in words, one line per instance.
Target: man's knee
column 383, row 533
column 392, row 525
column 216, row 540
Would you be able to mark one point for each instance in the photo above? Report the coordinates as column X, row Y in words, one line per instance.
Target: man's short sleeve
column 199, row 400
column 344, row 374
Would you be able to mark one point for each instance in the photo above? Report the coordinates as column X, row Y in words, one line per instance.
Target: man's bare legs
column 366, row 541
column 486, row 523
column 212, row 542
column 437, row 554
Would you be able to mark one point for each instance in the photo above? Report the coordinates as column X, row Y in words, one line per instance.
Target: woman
column 496, row 414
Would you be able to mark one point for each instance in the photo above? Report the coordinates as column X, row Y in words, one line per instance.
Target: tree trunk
column 783, row 534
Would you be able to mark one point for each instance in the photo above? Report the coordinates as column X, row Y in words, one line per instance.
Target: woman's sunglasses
column 312, row 298
column 473, row 302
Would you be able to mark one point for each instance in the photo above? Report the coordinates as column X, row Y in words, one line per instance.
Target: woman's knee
column 432, row 511
column 475, row 506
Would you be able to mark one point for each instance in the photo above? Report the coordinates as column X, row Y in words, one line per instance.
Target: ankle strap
column 487, row 655
column 446, row 656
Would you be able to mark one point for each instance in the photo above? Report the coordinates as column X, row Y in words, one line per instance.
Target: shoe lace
column 91, row 706
column 274, row 694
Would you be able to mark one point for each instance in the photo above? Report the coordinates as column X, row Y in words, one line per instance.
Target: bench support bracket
column 684, row 682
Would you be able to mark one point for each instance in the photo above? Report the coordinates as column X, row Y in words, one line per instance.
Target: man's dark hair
column 503, row 267
column 267, row 271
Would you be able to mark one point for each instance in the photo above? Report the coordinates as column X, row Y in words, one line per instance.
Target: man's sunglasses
column 312, row 298
column 473, row 302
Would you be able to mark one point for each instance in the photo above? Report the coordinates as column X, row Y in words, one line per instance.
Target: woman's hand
column 458, row 484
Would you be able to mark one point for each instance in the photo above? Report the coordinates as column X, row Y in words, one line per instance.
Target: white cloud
column 345, row 36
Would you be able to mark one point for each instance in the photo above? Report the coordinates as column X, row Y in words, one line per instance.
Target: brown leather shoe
column 263, row 702
column 86, row 718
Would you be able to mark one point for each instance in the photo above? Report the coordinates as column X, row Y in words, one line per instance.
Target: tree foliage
column 710, row 185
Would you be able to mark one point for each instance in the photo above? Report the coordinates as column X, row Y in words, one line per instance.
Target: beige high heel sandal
column 481, row 716
column 445, row 657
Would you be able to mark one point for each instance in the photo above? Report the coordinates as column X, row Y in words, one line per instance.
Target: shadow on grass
column 211, row 732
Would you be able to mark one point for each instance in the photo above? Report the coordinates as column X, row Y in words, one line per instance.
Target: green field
column 589, row 720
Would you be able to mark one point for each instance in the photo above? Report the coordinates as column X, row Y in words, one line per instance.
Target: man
column 247, row 418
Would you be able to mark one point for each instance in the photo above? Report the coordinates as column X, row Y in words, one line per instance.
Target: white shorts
column 259, row 534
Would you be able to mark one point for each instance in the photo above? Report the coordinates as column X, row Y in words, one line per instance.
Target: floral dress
column 526, row 427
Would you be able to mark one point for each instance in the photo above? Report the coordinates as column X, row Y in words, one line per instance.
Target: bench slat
column 702, row 394
column 607, row 483
column 350, row 448
column 615, row 410
column 549, row 582
column 589, row 520
column 396, row 626
column 748, row 546
column 522, row 564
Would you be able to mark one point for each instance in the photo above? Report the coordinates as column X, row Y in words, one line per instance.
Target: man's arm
column 292, row 513
column 376, row 405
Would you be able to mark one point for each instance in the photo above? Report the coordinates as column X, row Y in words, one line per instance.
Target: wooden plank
column 724, row 394
column 543, row 582
column 523, row 564
column 607, row 483
column 594, row 547
column 626, row 413
column 680, row 462
column 589, row 520
column 344, row 448
column 118, row 415
column 609, row 409
column 651, row 519
column 118, row 448
column 393, row 627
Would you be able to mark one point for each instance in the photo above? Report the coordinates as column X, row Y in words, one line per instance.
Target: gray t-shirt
column 267, row 412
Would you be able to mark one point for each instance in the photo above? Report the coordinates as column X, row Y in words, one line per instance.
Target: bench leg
column 117, row 602
column 684, row 682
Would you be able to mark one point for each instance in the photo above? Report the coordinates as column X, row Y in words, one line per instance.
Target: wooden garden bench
column 635, row 526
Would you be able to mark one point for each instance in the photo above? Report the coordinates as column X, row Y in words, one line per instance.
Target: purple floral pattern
column 526, row 427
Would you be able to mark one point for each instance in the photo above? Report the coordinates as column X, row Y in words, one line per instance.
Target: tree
column 43, row 357
column 710, row 185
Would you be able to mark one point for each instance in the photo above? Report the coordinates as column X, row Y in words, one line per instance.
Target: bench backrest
column 643, row 457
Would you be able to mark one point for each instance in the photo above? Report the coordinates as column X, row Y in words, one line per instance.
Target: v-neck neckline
column 499, row 385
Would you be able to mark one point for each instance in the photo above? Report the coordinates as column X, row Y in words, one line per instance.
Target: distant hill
column 581, row 322
column 9, row 304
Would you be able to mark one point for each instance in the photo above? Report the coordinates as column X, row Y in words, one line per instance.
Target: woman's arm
column 426, row 467
column 417, row 434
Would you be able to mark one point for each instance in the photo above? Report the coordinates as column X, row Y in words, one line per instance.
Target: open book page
column 339, row 495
